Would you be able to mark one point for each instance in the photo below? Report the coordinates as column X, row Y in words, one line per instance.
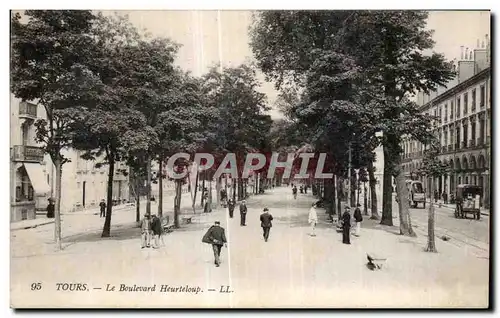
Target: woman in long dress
column 313, row 219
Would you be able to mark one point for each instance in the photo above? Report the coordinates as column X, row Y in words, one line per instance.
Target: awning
column 37, row 178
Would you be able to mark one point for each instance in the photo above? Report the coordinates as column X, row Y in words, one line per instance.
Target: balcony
column 472, row 143
column 27, row 110
column 27, row 154
column 480, row 141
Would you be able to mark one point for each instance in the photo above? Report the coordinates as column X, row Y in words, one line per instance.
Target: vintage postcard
column 250, row 159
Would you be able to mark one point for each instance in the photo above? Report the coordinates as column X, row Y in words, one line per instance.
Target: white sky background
column 452, row 29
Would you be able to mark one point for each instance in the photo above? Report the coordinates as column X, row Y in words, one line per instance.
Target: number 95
column 36, row 286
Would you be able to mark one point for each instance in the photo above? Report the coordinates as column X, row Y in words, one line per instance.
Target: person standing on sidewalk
column 50, row 208
column 266, row 223
column 346, row 226
column 243, row 212
column 230, row 206
column 358, row 218
column 313, row 219
column 156, row 230
column 102, row 205
column 294, row 191
column 146, row 231
column 215, row 236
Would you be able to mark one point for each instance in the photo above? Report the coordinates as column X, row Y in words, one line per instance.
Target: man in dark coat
column 346, row 226
column 50, row 209
column 266, row 223
column 243, row 213
column 230, row 206
column 156, row 229
column 102, row 205
column 294, row 191
column 217, row 238
column 358, row 218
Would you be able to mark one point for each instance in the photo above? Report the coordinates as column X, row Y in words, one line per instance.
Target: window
column 445, row 112
column 473, row 100
column 466, row 97
column 452, row 106
column 482, row 97
column 458, row 107
column 440, row 115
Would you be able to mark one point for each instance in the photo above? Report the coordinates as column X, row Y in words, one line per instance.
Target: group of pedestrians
column 151, row 227
column 216, row 235
column 346, row 223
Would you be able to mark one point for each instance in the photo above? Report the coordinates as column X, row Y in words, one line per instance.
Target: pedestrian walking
column 301, row 189
column 102, row 205
column 294, row 191
column 156, row 230
column 436, row 196
column 266, row 223
column 215, row 236
column 305, row 189
column 346, row 226
column 50, row 208
column 358, row 218
column 243, row 212
column 230, row 206
column 445, row 197
column 146, row 231
column 313, row 219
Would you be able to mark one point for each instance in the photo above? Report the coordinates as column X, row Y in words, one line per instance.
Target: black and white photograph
column 250, row 159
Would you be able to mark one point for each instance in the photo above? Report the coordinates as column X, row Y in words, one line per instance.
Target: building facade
column 29, row 184
column 32, row 179
column 463, row 127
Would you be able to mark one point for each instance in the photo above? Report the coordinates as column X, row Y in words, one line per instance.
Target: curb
column 32, row 226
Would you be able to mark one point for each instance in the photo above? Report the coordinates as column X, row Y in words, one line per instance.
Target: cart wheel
column 478, row 215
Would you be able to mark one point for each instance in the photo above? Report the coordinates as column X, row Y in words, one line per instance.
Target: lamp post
column 357, row 185
column 349, row 177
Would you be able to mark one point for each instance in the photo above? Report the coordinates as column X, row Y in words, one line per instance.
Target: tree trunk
column 177, row 202
column 233, row 188
column 195, row 191
column 240, row 189
column 148, row 184
column 106, row 231
column 431, row 238
column 218, row 187
column 387, row 189
column 353, row 191
column 339, row 196
column 404, row 209
column 160, row 187
column 373, row 191
column 365, row 199
column 137, row 200
column 210, row 194
column 57, row 207
column 203, row 190
column 334, row 197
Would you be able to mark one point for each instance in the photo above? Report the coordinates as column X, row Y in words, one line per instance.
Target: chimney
column 465, row 67
column 477, row 45
column 462, row 52
column 481, row 57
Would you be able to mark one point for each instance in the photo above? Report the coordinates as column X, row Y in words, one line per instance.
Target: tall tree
column 386, row 46
column 48, row 56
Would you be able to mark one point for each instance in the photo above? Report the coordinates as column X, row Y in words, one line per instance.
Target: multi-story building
column 463, row 127
column 32, row 180
column 29, row 184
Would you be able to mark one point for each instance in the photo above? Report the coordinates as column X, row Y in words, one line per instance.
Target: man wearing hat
column 243, row 212
column 265, row 223
column 346, row 225
column 216, row 237
column 102, row 206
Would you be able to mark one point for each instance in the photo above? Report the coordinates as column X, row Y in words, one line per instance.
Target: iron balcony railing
column 27, row 154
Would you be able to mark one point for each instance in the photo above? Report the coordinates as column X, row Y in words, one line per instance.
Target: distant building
column 463, row 129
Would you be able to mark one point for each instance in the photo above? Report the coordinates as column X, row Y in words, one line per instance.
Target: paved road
column 293, row 269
